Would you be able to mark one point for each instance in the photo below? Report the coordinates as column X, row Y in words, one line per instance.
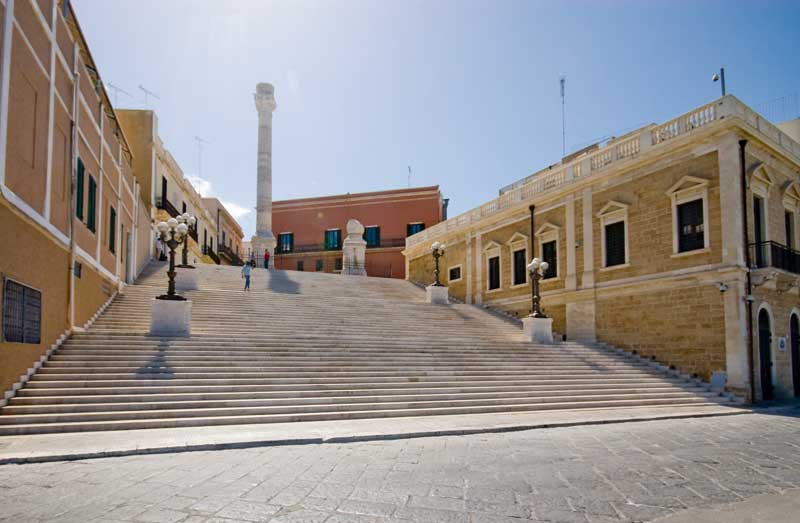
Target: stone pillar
column 265, row 105
column 354, row 250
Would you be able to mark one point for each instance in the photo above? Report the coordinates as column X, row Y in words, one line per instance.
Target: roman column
column 265, row 105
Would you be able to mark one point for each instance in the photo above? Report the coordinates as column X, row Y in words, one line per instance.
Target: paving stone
column 248, row 511
column 160, row 515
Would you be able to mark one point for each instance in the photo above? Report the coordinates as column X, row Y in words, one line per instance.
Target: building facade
column 653, row 246
column 70, row 207
column 310, row 231
column 165, row 190
column 229, row 233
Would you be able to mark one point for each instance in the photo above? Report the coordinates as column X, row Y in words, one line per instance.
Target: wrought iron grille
column 22, row 313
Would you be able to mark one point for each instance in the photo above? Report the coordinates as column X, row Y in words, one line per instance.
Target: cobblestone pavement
column 598, row 474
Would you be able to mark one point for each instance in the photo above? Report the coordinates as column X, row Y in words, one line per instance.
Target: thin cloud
column 201, row 185
column 237, row 211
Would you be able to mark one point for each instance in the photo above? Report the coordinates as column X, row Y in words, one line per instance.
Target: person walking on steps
column 246, row 275
column 266, row 259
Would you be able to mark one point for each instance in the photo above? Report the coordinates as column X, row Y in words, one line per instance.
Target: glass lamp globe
column 441, row 248
column 182, row 228
column 172, row 222
column 435, row 246
column 181, row 218
column 162, row 227
column 192, row 220
column 534, row 264
column 544, row 265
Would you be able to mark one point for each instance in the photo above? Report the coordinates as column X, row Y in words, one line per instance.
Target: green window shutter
column 91, row 216
column 79, row 191
column 112, row 230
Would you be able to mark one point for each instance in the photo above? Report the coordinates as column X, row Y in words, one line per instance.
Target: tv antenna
column 147, row 94
column 563, row 80
column 200, row 144
column 409, row 176
column 118, row 90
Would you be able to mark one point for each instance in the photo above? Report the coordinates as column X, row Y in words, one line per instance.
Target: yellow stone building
column 230, row 234
column 165, row 190
column 647, row 247
column 70, row 207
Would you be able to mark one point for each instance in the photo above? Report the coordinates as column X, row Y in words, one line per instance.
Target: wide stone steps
column 74, row 426
column 307, row 346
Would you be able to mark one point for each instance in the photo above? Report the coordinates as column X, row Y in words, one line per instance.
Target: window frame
column 281, row 235
column 519, row 242
column 493, row 250
column 678, row 224
column 408, row 228
column 80, row 180
column 319, row 265
column 3, row 328
column 338, row 246
column 460, row 273
column 300, row 266
column 791, row 204
column 373, row 227
column 611, row 213
column 91, row 211
column 685, row 190
column 545, row 234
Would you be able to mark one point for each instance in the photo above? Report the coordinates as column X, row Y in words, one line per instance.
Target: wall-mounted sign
column 782, row 344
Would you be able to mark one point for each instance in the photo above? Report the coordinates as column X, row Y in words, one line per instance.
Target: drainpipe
column 749, row 283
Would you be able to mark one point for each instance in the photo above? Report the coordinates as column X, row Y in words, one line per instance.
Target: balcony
column 321, row 247
column 230, row 255
column 776, row 255
column 163, row 203
column 211, row 254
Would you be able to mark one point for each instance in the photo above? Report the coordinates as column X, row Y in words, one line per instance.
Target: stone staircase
column 314, row 346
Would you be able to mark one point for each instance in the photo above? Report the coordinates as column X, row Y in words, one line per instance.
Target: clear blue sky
column 464, row 92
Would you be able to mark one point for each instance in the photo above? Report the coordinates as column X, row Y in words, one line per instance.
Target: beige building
column 230, row 234
column 645, row 235
column 70, row 208
column 166, row 191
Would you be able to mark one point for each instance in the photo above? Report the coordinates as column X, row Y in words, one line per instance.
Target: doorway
column 765, row 354
column 794, row 343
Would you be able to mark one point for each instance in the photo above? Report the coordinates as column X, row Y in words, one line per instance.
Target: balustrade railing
column 614, row 151
column 774, row 254
column 163, row 203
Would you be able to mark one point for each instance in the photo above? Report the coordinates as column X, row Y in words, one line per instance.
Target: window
column 759, row 230
column 689, row 215
column 224, row 241
column 414, row 228
column 79, row 190
column 372, row 235
column 454, row 274
column 91, row 215
column 285, row 242
column 691, row 229
column 494, row 273
column 337, row 264
column 615, row 244
column 550, row 255
column 614, row 234
column 300, row 265
column 520, row 266
column 112, row 230
column 77, row 269
column 333, row 239
column 22, row 313
column 789, row 219
column 184, row 208
column 318, row 267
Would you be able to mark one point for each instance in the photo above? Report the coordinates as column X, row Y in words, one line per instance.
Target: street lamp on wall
column 437, row 249
column 190, row 221
column 172, row 233
column 537, row 268
column 720, row 77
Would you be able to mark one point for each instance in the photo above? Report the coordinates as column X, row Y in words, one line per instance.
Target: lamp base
column 538, row 330
column 171, row 318
column 437, row 294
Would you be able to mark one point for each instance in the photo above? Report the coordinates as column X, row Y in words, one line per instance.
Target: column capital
column 265, row 98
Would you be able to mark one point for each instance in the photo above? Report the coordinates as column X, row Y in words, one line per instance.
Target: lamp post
column 173, row 233
column 720, row 77
column 190, row 221
column 537, row 268
column 437, row 249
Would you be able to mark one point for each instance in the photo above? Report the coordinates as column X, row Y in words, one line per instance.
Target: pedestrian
column 246, row 275
column 266, row 259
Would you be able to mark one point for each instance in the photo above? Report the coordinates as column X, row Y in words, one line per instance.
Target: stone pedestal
column 538, row 330
column 186, row 278
column 259, row 244
column 171, row 318
column 354, row 250
column 437, row 294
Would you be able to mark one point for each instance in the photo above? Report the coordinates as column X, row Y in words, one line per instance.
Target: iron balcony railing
column 774, row 254
column 321, row 247
column 163, row 203
column 211, row 254
column 232, row 256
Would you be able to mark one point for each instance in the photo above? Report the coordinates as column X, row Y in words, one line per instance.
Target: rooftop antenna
column 563, row 80
column 147, row 94
column 200, row 144
column 118, row 90
column 409, row 176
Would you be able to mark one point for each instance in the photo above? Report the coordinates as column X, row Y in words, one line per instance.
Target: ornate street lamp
column 437, row 249
column 173, row 233
column 190, row 221
column 537, row 268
